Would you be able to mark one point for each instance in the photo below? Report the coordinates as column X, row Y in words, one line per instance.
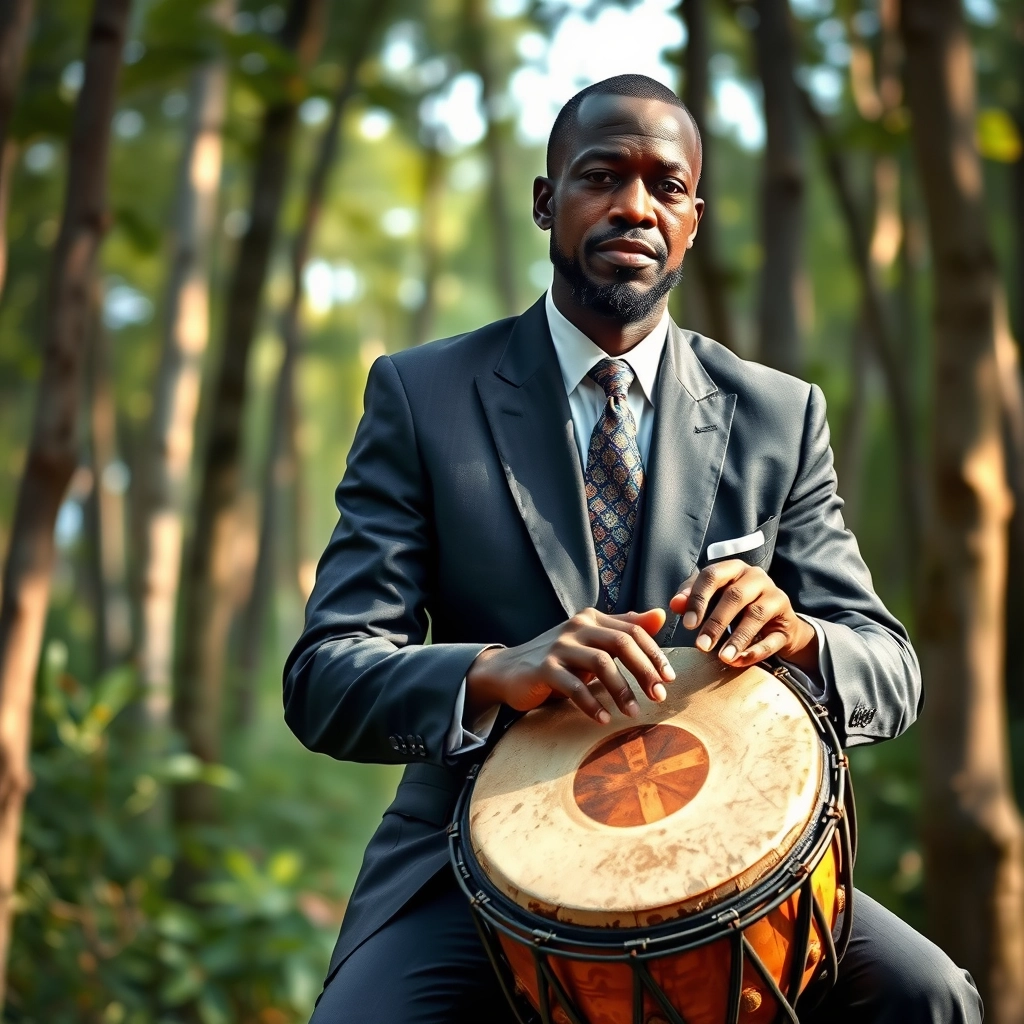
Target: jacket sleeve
column 360, row 683
column 871, row 674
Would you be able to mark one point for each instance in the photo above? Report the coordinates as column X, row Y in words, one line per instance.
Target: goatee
column 621, row 300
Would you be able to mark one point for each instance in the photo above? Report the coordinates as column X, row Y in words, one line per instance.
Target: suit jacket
column 463, row 514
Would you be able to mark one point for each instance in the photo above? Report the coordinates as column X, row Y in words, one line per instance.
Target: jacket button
column 394, row 742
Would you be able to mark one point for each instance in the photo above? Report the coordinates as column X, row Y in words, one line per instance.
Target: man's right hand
column 566, row 661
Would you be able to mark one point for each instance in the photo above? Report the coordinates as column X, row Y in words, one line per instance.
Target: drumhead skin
column 647, row 819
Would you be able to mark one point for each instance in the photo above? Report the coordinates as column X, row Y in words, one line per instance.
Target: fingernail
column 704, row 642
column 603, row 717
column 667, row 670
column 728, row 652
column 659, row 692
column 632, row 709
column 690, row 620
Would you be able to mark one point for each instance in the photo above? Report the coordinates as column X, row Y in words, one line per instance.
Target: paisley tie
column 614, row 478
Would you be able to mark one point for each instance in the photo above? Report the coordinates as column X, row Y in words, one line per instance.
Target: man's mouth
column 627, row 252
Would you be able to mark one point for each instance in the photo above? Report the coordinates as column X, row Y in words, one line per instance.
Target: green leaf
column 998, row 136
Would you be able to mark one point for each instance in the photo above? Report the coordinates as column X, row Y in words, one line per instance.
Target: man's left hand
column 765, row 623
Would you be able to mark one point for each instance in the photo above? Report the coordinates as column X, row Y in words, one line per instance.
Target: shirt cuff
column 464, row 737
column 813, row 683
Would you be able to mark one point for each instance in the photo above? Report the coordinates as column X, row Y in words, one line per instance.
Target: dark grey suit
column 463, row 511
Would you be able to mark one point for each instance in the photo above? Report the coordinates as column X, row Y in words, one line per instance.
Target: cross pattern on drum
column 641, row 775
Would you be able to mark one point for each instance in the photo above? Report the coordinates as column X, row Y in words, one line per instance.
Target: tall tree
column 53, row 448
column 482, row 62
column 176, row 391
column 207, row 585
column 281, row 462
column 705, row 258
column 974, row 842
column 431, row 208
column 783, row 187
column 15, row 18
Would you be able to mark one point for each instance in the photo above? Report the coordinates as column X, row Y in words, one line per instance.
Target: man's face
column 621, row 207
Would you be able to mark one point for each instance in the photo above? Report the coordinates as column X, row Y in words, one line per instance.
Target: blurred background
column 218, row 214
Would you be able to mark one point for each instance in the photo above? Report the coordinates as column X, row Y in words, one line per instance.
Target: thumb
column 650, row 621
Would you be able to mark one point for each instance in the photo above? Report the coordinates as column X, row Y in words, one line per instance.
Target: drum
column 691, row 866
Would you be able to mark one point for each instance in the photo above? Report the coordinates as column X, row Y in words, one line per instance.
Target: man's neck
column 613, row 336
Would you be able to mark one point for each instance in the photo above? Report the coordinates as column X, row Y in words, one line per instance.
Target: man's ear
column 698, row 208
column 543, row 203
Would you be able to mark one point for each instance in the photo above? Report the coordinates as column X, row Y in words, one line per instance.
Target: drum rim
column 697, row 928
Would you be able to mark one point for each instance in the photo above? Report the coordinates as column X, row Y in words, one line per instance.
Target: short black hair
column 639, row 87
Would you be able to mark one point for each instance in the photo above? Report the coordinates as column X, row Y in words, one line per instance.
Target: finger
column 764, row 648
column 764, row 608
column 708, row 582
column 649, row 623
column 635, row 648
column 562, row 681
column 678, row 602
column 747, row 588
column 600, row 666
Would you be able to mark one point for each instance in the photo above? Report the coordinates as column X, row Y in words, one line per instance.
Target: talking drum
column 692, row 865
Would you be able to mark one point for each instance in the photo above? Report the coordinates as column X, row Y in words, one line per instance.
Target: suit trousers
column 427, row 966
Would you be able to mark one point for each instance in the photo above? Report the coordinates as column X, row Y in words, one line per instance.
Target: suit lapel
column 691, row 433
column 528, row 413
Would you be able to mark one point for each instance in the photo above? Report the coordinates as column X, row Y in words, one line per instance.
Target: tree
column 281, row 461
column 15, row 17
column 208, row 571
column 705, row 259
column 53, row 448
column 974, row 880
column 176, row 392
column 782, row 195
column 481, row 60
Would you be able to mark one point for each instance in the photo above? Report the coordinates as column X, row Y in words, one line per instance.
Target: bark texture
column 482, row 63
column 53, row 448
column 208, row 582
column 176, row 394
column 783, row 188
column 974, row 881
column 281, row 471
column 704, row 262
column 431, row 209
column 15, row 18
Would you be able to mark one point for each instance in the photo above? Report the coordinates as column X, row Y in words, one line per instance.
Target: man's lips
column 627, row 252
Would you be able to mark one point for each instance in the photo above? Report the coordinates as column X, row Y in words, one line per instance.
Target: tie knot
column 614, row 376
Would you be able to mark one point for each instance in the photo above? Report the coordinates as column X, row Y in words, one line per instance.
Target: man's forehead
column 613, row 119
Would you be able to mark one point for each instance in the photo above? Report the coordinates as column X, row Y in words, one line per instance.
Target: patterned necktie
column 614, row 478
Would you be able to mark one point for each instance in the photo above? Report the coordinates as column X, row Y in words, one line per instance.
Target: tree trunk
column 497, row 184
column 430, row 243
column 850, row 446
column 782, row 195
column 280, row 472
column 115, row 616
column 53, row 448
column 704, row 259
column 15, row 18
column 974, row 880
column 208, row 573
column 176, row 400
column 886, row 349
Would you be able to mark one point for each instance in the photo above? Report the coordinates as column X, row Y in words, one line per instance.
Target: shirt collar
column 578, row 355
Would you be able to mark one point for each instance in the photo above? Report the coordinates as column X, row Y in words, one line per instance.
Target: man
column 544, row 495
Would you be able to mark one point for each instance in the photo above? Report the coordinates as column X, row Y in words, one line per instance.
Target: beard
column 622, row 300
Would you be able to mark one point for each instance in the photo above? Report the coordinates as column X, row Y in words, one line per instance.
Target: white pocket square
column 736, row 546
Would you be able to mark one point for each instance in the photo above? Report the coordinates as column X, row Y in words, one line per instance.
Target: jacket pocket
column 760, row 555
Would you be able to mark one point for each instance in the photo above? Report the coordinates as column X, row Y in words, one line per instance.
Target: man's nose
column 633, row 204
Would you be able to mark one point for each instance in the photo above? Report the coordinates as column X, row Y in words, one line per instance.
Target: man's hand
column 567, row 660
column 765, row 623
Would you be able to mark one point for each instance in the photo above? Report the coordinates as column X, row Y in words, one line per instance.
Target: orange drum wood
column 690, row 866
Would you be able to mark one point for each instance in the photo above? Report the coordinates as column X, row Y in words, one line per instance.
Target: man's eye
column 673, row 187
column 600, row 177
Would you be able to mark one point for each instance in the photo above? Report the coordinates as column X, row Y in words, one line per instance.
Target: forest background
column 218, row 213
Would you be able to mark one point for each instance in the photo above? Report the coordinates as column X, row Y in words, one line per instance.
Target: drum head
column 646, row 819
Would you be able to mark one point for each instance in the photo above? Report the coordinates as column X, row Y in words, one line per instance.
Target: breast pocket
column 754, row 548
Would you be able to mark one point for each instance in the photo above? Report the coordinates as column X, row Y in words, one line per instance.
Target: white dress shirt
column 577, row 356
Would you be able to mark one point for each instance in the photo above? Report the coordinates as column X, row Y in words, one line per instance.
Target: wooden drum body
column 689, row 866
